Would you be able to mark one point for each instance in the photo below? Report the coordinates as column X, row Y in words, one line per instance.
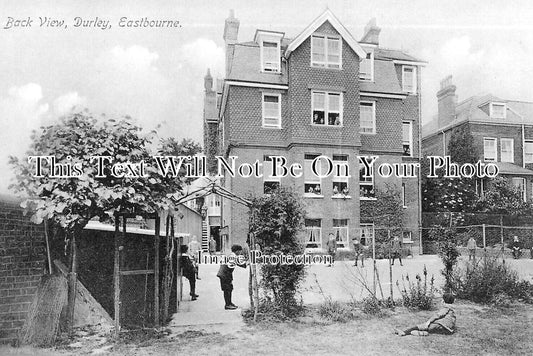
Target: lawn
column 481, row 330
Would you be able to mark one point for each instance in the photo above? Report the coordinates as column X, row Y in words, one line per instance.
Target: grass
column 480, row 330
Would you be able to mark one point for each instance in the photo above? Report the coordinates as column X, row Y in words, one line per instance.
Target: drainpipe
column 523, row 147
column 420, row 249
column 443, row 142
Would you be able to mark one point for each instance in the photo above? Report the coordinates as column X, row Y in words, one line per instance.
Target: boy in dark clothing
column 396, row 250
column 188, row 270
column 516, row 247
column 225, row 273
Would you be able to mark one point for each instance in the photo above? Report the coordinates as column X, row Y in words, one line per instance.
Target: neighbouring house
column 502, row 132
column 320, row 93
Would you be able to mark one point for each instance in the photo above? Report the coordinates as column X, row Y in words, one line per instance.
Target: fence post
column 374, row 259
column 156, row 269
column 390, row 269
column 484, row 239
column 501, row 238
column 116, row 275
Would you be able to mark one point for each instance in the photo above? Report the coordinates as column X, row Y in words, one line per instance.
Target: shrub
column 418, row 295
column 271, row 311
column 374, row 306
column 448, row 252
column 336, row 311
column 277, row 218
column 489, row 279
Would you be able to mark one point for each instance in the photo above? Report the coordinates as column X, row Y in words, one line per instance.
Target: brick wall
column 22, row 261
column 304, row 78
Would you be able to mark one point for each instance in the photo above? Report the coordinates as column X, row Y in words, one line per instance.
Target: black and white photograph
column 266, row 177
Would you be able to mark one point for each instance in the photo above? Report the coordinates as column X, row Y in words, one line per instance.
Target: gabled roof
column 326, row 16
column 474, row 110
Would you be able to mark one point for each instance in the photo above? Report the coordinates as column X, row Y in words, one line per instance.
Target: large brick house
column 319, row 93
column 502, row 132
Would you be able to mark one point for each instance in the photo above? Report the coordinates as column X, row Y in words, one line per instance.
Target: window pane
column 334, row 102
column 318, row 54
column 270, row 56
column 334, row 51
column 408, row 79
column 498, row 110
column 406, row 138
column 319, row 101
column 528, row 152
column 507, row 150
column 367, row 117
column 365, row 68
column 489, row 146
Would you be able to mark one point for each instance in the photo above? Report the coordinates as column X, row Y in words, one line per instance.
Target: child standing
column 225, row 273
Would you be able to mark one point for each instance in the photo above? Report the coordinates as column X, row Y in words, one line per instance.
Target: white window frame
column 326, row 63
column 337, row 230
column 523, row 180
column 365, row 228
column 367, row 182
column 414, row 83
column 308, row 233
column 367, row 77
column 410, row 138
column 490, row 159
column 492, row 111
column 503, row 158
column 409, row 239
column 326, row 108
column 277, row 65
column 404, row 196
column 528, row 143
column 313, row 179
column 341, row 179
column 267, row 160
column 373, row 103
column 264, row 124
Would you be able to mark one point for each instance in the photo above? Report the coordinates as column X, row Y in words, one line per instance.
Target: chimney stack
column 371, row 32
column 231, row 31
column 447, row 102
column 208, row 81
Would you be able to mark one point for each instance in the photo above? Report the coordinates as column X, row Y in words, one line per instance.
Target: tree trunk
column 72, row 283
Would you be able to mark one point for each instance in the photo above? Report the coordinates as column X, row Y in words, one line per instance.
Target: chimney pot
column 372, row 31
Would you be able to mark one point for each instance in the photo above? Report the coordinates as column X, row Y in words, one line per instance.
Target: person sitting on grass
column 443, row 322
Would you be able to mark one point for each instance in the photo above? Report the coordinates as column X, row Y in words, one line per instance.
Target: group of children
column 359, row 249
column 189, row 269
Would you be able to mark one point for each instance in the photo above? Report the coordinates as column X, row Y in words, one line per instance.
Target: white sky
column 156, row 75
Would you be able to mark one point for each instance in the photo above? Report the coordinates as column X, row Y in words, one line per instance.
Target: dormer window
column 366, row 68
column 270, row 46
column 409, row 79
column 270, row 56
column 498, row 110
column 326, row 51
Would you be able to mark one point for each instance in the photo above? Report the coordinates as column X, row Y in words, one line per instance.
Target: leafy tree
column 503, row 198
column 461, row 148
column 71, row 202
column 276, row 220
column 452, row 194
column 386, row 212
